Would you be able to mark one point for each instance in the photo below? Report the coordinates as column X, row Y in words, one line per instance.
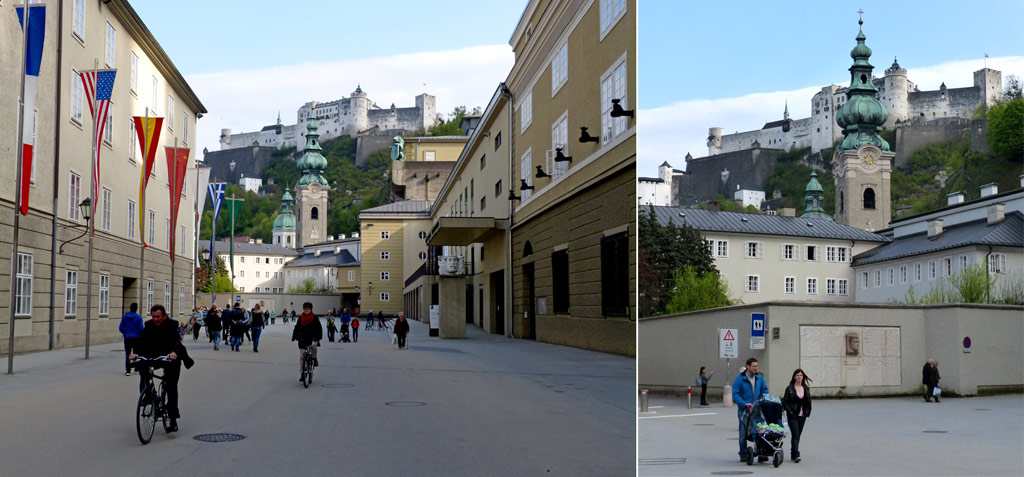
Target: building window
column 184, row 129
column 108, row 131
column 559, row 140
column 483, row 161
column 560, row 280
column 167, row 231
column 131, row 219
column 903, row 274
column 385, row 256
column 483, row 203
column 863, row 280
column 430, row 156
column 497, row 188
column 170, row 113
column 74, row 191
column 23, row 287
column 78, row 22
column 917, row 272
column 167, row 296
column 71, row 293
column 351, row 275
column 614, row 274
column 423, row 255
column 843, row 286
column 104, row 295
column 811, row 253
column 752, row 285
column 497, row 141
column 830, row 286
column 613, row 86
column 152, row 226
column 156, row 85
column 525, row 173
column 997, row 263
column 111, row 43
column 422, row 235
column 385, row 235
column 878, row 278
column 722, row 249
column 947, row 267
column 932, row 270
column 135, row 73
column 526, row 112
column 256, row 290
column 149, row 297
column 181, row 299
column 385, row 275
column 842, row 254
column 241, row 273
column 812, row 286
column 241, row 259
column 385, row 296
column 964, row 262
column 611, row 12
column 560, row 68
column 754, row 249
column 314, row 213
column 830, row 254
column 181, row 243
column 132, row 142
column 869, row 198
column 790, row 285
column 105, row 210
column 788, row 251
column 77, row 95
column 892, row 277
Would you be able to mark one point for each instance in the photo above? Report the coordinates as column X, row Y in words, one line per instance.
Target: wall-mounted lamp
column 512, row 195
column 541, row 174
column 586, row 137
column 85, row 208
column 617, row 110
column 524, row 185
column 559, row 157
column 487, row 134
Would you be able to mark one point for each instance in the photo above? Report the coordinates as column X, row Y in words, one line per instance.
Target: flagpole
column 213, row 252
column 92, row 220
column 195, row 231
column 232, row 253
column 142, row 208
column 17, row 193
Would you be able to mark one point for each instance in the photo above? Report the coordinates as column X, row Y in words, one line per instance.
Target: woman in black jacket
column 797, row 402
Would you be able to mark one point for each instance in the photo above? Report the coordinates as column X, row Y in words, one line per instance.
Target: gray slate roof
column 249, row 248
column 1008, row 232
column 326, row 258
column 400, row 207
column 734, row 222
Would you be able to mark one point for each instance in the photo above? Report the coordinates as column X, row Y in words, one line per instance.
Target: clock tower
column 862, row 162
column 311, row 192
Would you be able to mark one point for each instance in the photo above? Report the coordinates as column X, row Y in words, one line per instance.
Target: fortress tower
column 894, row 94
column 991, row 83
column 311, row 191
column 359, row 105
column 862, row 162
column 714, row 141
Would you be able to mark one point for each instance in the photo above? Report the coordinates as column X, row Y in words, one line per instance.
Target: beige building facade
column 383, row 233
column 51, row 303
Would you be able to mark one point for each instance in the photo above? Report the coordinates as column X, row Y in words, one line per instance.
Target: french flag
column 33, row 58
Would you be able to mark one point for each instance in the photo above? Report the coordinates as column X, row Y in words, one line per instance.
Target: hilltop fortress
column 904, row 101
column 355, row 115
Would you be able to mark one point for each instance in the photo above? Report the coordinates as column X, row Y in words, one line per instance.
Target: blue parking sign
column 757, row 324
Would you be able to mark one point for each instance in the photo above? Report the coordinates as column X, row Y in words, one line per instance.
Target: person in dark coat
column 346, row 318
column 401, row 329
column 797, row 402
column 331, row 329
column 214, row 326
column 927, row 379
column 257, row 320
column 704, row 378
column 308, row 332
column 160, row 337
column 237, row 327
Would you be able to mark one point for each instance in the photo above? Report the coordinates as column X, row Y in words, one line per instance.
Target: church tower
column 311, row 191
column 284, row 224
column 862, row 162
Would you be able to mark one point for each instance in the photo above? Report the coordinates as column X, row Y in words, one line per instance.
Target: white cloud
column 247, row 100
column 668, row 132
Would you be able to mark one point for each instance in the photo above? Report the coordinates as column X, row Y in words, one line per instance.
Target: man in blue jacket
column 131, row 327
column 746, row 389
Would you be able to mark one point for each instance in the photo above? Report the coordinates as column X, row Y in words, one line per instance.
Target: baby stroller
column 764, row 429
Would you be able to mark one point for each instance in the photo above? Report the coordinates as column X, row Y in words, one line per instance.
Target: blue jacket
column 131, row 325
column 741, row 392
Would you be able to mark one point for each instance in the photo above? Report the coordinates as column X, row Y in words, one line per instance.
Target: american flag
column 99, row 84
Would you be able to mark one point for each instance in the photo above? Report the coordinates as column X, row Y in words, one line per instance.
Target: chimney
column 330, row 238
column 337, row 250
column 995, row 213
column 787, row 212
column 355, row 234
column 954, row 198
column 316, row 253
column 934, row 228
column 342, row 237
column 989, row 189
column 259, row 241
column 252, row 241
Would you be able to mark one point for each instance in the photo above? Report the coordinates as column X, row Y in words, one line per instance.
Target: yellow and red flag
column 148, row 130
column 177, row 164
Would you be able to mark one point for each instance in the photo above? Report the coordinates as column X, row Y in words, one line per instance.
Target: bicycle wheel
column 162, row 393
column 309, row 372
column 145, row 415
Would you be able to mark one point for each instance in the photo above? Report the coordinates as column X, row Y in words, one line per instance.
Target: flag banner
column 177, row 164
column 216, row 191
column 99, row 85
column 234, row 206
column 33, row 59
column 148, row 132
column 203, row 182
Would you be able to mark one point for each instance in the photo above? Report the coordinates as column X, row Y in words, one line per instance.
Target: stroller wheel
column 750, row 455
column 777, row 460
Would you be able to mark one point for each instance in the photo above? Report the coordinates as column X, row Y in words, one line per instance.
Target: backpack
column 699, row 383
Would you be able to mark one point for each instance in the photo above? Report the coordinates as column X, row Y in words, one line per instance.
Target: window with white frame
column 385, row 275
column 78, row 20
column 878, row 278
column 932, row 270
column 423, row 255
column 241, row 259
column 77, row 97
column 181, row 299
column 156, row 84
column 351, row 275
column 108, row 130
column 752, row 283
column 149, row 297
column 790, row 285
column 105, row 209
column 385, row 255
column 964, row 262
column 892, row 277
column 111, row 45
column 842, row 254
column 613, row 86
column 167, row 234
column 722, row 249
column 184, row 128
column 830, row 286
column 811, row 253
column 611, row 12
column 754, row 249
column 104, row 295
column 526, row 111
column 843, row 284
column 788, row 251
column 863, row 280
column 241, row 273
column 257, row 273
column 997, row 263
column 135, row 73
column 525, row 168
column 903, row 274
column 385, row 235
column 385, row 296
column 812, row 286
column 23, row 285
column 559, row 140
column 830, row 254
column 152, row 227
column 947, row 267
column 917, row 272
column 131, row 219
column 74, row 196
column 167, row 297
column 170, row 113
column 71, row 293
column 181, row 243
column 560, row 68
column 133, row 142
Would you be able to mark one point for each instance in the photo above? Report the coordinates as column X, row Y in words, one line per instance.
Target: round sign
column 967, row 342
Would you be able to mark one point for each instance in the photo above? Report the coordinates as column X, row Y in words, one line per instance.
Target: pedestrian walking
column 273, row 317
column 931, row 378
column 257, row 320
column 797, row 402
column 225, row 321
column 401, row 329
column 214, row 326
column 346, row 319
column 237, row 327
column 131, row 329
column 355, row 329
column 702, row 380
column 369, row 320
column 193, row 325
column 747, row 388
column 331, row 328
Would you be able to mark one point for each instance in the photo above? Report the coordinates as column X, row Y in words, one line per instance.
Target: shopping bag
column 394, row 339
column 936, row 391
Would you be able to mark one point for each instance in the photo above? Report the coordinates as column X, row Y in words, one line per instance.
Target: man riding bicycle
column 308, row 332
column 160, row 338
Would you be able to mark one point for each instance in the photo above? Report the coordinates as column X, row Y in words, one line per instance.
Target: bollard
column 689, row 397
column 643, row 401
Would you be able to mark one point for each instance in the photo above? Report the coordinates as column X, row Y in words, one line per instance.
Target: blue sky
column 734, row 63
column 246, row 60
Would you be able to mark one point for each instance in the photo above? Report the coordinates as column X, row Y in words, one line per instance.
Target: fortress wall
column 704, row 179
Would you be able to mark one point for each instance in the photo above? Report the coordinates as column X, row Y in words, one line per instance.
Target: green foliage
column 971, row 285
column 694, row 292
column 790, row 177
column 662, row 252
column 1006, row 130
column 308, row 286
column 223, row 282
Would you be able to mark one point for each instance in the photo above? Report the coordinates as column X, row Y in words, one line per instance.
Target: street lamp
column 85, row 208
column 212, row 276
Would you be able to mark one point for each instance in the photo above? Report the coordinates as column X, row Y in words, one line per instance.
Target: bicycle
column 384, row 325
column 307, row 367
column 152, row 400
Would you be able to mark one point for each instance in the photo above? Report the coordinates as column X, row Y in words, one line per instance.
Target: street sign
column 727, row 347
column 757, row 331
column 967, row 344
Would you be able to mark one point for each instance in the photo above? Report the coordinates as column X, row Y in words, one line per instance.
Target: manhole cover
column 405, row 404
column 733, row 439
column 732, row 472
column 338, row 385
column 934, row 432
column 219, row 437
column 704, row 425
column 982, row 409
column 663, row 461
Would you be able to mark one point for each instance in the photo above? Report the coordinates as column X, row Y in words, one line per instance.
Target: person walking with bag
column 702, row 380
column 797, row 402
column 257, row 320
column 214, row 326
column 193, row 326
column 131, row 328
column 355, row 328
column 346, row 318
column 401, row 329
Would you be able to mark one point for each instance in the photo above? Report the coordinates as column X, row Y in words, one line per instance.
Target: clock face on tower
column 869, row 157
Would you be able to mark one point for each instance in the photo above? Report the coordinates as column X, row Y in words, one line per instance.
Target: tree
column 1006, row 130
column 692, row 292
column 664, row 250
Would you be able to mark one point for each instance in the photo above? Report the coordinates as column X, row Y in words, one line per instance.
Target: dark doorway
column 434, row 294
column 469, row 304
column 529, row 331
column 498, row 301
column 480, row 305
column 129, row 293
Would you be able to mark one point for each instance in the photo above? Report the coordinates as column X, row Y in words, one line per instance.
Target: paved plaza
column 902, row 436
